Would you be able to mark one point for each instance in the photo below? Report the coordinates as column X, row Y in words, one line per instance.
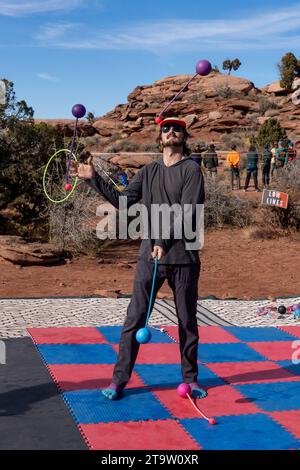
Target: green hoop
column 58, row 201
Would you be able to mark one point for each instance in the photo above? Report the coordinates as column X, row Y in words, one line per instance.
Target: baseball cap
column 173, row 120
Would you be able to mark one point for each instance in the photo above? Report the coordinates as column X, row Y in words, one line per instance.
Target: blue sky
column 60, row 52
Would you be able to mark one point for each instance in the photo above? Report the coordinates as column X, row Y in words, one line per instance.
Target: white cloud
column 53, row 31
column 21, row 7
column 269, row 30
column 48, row 77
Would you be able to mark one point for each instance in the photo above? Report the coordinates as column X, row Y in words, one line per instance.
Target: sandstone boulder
column 272, row 112
column 18, row 251
column 213, row 115
column 275, row 88
column 190, row 119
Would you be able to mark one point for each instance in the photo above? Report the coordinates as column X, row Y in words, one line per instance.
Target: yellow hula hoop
column 58, row 201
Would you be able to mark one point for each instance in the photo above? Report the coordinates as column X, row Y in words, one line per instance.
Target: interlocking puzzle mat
column 251, row 376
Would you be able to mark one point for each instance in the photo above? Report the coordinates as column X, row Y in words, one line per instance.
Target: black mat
column 32, row 414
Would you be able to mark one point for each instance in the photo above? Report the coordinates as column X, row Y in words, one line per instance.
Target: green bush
column 25, row 147
column 269, row 132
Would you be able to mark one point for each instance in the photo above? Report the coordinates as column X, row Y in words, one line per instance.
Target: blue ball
column 143, row 335
column 297, row 312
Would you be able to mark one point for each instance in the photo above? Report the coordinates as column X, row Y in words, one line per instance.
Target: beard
column 173, row 142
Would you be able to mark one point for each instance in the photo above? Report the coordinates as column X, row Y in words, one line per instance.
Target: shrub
column 150, row 148
column 123, row 146
column 237, row 139
column 269, row 132
column 265, row 104
column 223, row 208
column 72, row 224
column 224, row 91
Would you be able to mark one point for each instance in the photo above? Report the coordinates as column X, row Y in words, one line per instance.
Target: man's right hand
column 158, row 252
column 82, row 170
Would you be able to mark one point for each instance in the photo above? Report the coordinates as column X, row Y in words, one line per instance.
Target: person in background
column 252, row 162
column 273, row 159
column 291, row 153
column 232, row 162
column 210, row 161
column 281, row 154
column 197, row 153
column 266, row 165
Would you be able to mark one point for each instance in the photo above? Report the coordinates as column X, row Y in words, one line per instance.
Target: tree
column 269, row 132
column 13, row 111
column 231, row 65
column 289, row 68
column 90, row 118
column 25, row 147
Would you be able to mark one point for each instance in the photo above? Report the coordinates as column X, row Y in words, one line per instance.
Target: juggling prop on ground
column 58, row 184
column 203, row 68
column 252, row 384
column 184, row 391
column 273, row 310
column 143, row 335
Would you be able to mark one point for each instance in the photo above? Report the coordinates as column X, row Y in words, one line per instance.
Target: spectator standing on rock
column 252, row 163
column 232, row 162
column 266, row 165
column 210, row 161
column 273, row 159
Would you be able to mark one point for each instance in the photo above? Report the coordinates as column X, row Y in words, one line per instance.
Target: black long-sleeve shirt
column 156, row 183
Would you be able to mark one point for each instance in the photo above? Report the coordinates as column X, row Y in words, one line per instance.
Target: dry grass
column 72, row 224
column 223, row 208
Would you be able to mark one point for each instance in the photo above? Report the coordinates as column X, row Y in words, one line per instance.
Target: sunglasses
column 175, row 127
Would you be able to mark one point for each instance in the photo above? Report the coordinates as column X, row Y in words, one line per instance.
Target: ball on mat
column 143, row 335
column 203, row 67
column 281, row 309
column 212, row 421
column 297, row 313
column 183, row 390
column 78, row 111
column 68, row 187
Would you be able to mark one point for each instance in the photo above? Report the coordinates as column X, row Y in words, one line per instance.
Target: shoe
column 246, row 190
column 258, row 190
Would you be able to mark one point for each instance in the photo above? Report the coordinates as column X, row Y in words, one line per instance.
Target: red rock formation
column 212, row 106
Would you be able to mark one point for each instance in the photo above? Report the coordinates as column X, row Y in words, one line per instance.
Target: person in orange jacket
column 232, row 162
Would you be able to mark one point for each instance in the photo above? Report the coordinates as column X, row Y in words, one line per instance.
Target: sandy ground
column 233, row 265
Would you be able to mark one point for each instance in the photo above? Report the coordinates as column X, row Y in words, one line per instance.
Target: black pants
column 266, row 173
column 249, row 173
column 183, row 280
